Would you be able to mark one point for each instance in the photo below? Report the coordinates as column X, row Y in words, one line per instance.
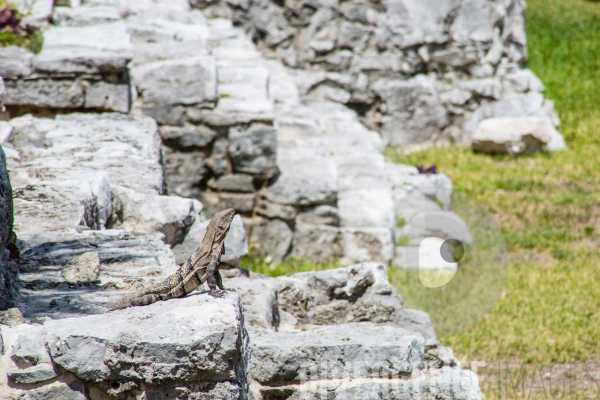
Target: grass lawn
column 548, row 205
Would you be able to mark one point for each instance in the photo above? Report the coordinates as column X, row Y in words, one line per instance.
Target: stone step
column 343, row 351
column 198, row 343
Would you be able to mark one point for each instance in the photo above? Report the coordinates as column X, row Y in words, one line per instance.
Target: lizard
column 202, row 266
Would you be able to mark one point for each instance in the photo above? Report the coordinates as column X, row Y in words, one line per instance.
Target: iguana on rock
column 202, row 266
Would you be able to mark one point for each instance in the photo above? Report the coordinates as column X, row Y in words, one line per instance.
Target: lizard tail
column 136, row 299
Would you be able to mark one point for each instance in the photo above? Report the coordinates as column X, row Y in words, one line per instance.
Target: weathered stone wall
column 82, row 64
column 295, row 143
column 418, row 71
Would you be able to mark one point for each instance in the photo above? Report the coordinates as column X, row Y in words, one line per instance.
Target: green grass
column 290, row 266
column 548, row 206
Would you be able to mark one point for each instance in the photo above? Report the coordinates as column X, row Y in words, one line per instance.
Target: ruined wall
column 417, row 71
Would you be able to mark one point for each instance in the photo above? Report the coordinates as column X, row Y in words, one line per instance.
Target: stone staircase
column 308, row 177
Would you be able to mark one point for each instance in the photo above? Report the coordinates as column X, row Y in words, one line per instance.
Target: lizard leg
column 213, row 277
column 220, row 282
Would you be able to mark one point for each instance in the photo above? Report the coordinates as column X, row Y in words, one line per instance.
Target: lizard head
column 221, row 223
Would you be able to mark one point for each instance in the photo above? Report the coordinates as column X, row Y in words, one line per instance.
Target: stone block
column 185, row 81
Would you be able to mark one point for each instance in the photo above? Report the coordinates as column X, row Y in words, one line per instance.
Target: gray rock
column 319, row 215
column 146, row 213
column 188, row 136
column 107, row 96
column 414, row 111
column 236, row 244
column 489, row 87
column 513, row 135
column 253, row 151
column 67, row 3
column 123, row 138
column 87, row 15
column 15, row 62
column 183, row 172
column 186, row 81
column 319, row 243
column 525, row 81
column 35, row 374
column 444, row 384
column 274, row 210
column 345, row 351
column 259, row 295
column 353, row 294
column 304, row 180
column 91, row 49
column 472, row 22
column 85, row 268
column 366, row 244
column 29, row 348
column 128, row 263
column 11, row 317
column 241, row 202
column 45, row 93
column 232, row 183
column 166, row 115
column 98, row 346
column 55, row 391
column 530, row 104
column 272, row 239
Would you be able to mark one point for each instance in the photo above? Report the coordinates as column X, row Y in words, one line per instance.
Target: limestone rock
column 92, row 49
column 185, row 81
column 351, row 350
column 147, row 213
column 15, row 62
column 274, row 210
column 55, row 391
column 98, row 349
column 232, row 183
column 303, row 180
column 253, row 151
column 272, row 239
column 513, row 136
column 357, row 293
column 85, row 268
column 81, row 16
column 414, row 110
column 11, row 317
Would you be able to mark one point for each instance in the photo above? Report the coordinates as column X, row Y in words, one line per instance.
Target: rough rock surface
column 343, row 333
column 92, row 56
column 156, row 351
column 89, row 191
column 515, row 135
column 421, row 71
column 296, row 147
column 75, row 176
column 84, row 269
